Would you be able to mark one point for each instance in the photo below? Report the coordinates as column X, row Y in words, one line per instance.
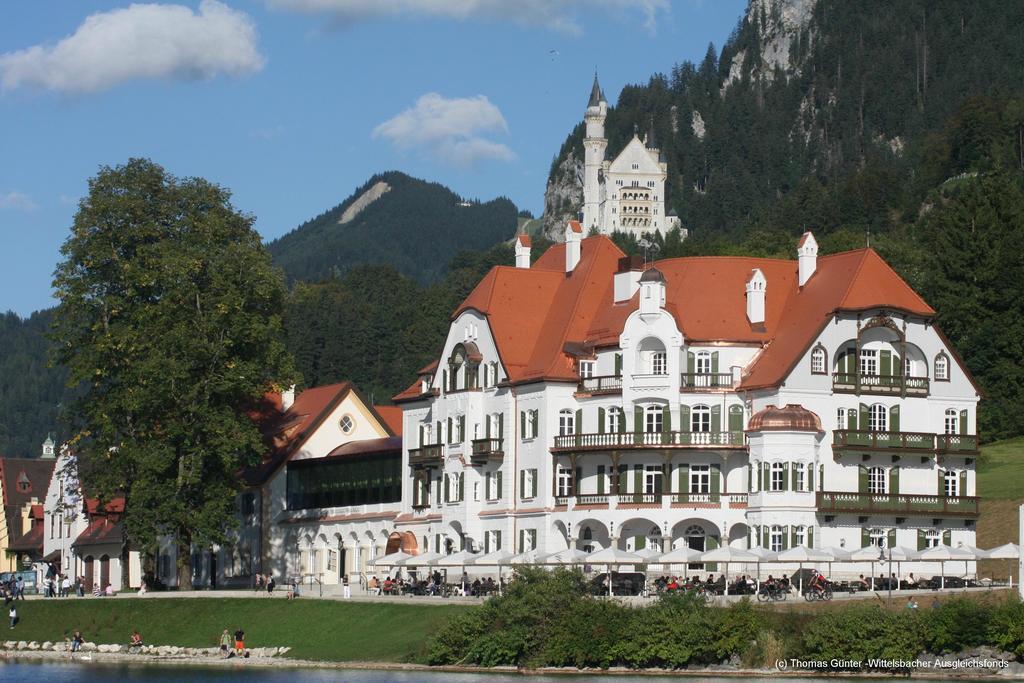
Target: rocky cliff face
column 563, row 197
column 778, row 23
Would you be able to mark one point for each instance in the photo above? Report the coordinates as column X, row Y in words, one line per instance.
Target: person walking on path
column 346, row 589
column 225, row 643
column 19, row 589
column 239, row 641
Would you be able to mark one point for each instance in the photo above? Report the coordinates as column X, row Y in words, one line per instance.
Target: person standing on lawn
column 239, row 641
column 225, row 643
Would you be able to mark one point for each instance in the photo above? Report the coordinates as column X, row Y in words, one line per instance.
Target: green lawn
column 1001, row 470
column 320, row 629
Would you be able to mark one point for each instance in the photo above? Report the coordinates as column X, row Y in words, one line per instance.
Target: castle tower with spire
column 626, row 194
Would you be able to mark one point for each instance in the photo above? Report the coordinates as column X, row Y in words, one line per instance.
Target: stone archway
column 591, row 535
column 639, row 533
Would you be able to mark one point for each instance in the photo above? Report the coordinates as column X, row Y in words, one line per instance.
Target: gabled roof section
column 635, row 152
column 391, row 417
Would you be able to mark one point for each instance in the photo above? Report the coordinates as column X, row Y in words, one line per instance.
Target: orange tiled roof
column 533, row 313
column 392, row 417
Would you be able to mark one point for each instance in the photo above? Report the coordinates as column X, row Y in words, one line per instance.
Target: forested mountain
column 30, row 392
column 409, row 224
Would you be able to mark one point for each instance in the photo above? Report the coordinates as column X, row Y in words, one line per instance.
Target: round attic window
column 348, row 423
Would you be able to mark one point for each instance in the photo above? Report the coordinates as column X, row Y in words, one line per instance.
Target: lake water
column 52, row 672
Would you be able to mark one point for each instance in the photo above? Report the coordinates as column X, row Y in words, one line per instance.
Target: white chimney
column 652, row 291
column 807, row 256
column 627, row 278
column 523, row 245
column 288, row 398
column 756, row 287
column 573, row 235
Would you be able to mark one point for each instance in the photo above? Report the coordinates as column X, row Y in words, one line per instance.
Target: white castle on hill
column 628, row 193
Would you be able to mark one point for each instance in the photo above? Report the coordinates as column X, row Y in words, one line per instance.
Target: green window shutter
column 750, row 479
column 449, row 432
column 618, row 365
column 666, row 420
column 962, row 490
column 941, row 476
column 487, row 426
column 765, row 539
column 684, row 419
column 522, row 485
column 946, row 536
column 897, row 367
column 638, row 419
column 865, row 424
column 522, row 540
column 600, row 420
column 684, row 479
column 810, row 537
column 444, row 380
column 438, row 437
column 640, row 542
column 579, row 421
column 894, row 419
column 623, row 479
column 600, row 480
column 487, row 543
column 536, row 423
column 420, row 442
column 922, row 540
column 666, row 477
column 891, row 539
column 535, row 478
column 785, row 477
column 885, row 363
column 963, row 422
column 851, row 362
column 522, row 424
column 714, row 362
column 462, row 428
column 735, row 418
column 766, row 470
column 716, row 419
column 792, row 476
column 894, row 480
column 498, row 491
column 760, row 477
column 862, row 479
column 865, row 538
column 715, row 479
column 487, row 486
column 691, row 362
column 622, row 420
column 462, row 486
column 437, row 491
column 532, row 533
column 501, row 425
column 851, row 419
column 638, row 479
column 810, row 477
column 447, row 483
column 437, row 543
column 821, row 477
column 577, row 482
column 497, row 540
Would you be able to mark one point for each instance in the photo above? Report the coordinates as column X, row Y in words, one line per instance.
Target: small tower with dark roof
column 594, row 146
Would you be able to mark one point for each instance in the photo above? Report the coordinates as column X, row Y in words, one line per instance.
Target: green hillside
column 1001, row 487
column 413, row 226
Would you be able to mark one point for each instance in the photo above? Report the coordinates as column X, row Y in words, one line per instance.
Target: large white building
column 626, row 194
column 585, row 402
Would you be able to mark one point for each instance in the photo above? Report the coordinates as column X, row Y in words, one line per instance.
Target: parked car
column 623, row 583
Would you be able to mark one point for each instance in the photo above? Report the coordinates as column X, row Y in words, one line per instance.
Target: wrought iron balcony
column 605, row 384
column 690, row 381
column 883, row 441
column 486, row 449
column 640, row 440
column 887, row 385
column 832, row 502
column 429, row 454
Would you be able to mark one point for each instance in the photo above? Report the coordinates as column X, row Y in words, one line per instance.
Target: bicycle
column 771, row 592
column 818, row 593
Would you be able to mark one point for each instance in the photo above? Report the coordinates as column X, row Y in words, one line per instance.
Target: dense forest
column 413, row 226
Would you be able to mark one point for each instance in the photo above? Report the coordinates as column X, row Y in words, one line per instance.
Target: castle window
column 700, row 479
column 778, row 480
column 799, row 536
column 586, row 369
column 614, row 419
column 775, row 539
column 659, row 363
column 700, row 419
column 653, row 419
column 878, row 418
column 952, row 483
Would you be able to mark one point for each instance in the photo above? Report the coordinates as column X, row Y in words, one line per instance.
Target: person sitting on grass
column 96, row 592
column 911, row 604
column 136, row 641
column 76, row 641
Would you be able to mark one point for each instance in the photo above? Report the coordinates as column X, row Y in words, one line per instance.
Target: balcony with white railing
column 647, row 440
column 885, row 385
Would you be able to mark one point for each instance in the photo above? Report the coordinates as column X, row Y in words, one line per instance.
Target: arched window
column 566, row 423
column 614, row 419
column 876, row 480
column 696, row 537
column 951, row 423
column 654, row 419
column 952, row 483
column 818, row 360
column 942, row 367
column 775, row 539
column 878, row 418
column 700, row 419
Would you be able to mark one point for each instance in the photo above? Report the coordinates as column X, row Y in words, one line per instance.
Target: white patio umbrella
column 389, row 560
column 764, row 555
column 869, row 553
column 899, row 554
column 838, row 555
column 978, row 553
column 459, row 559
column 497, row 558
column 800, row 555
column 529, row 557
column 683, row 555
column 613, row 556
column 567, row 556
column 728, row 555
column 422, row 560
column 1009, row 551
column 944, row 553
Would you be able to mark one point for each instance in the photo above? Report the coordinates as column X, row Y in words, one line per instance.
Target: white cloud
column 559, row 15
column 13, row 199
column 140, row 41
column 449, row 129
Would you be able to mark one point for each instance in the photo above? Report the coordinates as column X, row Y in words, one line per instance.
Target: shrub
column 1006, row 627
column 956, row 625
column 863, row 633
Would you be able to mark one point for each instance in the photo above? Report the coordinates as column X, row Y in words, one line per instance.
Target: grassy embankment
column 314, row 629
column 1001, row 487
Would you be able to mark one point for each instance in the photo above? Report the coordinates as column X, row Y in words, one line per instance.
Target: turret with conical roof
column 596, row 94
column 594, row 146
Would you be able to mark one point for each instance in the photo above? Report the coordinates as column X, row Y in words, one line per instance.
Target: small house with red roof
column 594, row 400
column 23, row 483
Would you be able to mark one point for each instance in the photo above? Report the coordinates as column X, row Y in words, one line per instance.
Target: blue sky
column 294, row 103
